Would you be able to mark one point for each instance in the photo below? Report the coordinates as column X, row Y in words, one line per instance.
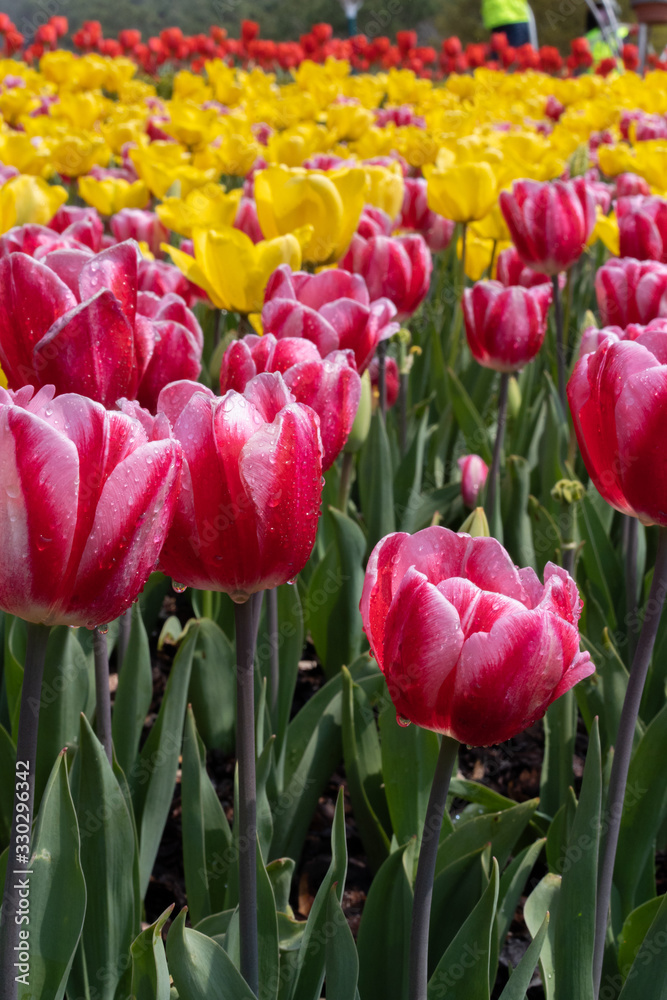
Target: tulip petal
column 98, row 331
column 133, row 515
column 281, row 469
column 423, row 641
column 36, row 461
column 32, row 298
column 115, row 269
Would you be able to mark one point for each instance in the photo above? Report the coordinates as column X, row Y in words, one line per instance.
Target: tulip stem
column 382, row 377
column 623, row 751
column 345, row 483
column 631, row 540
column 403, row 411
column 494, row 473
column 26, row 755
column 274, row 661
column 102, row 695
column 246, row 616
column 560, row 345
column 428, row 852
column 457, row 324
column 123, row 641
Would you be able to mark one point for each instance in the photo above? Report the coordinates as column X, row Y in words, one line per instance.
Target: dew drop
column 180, row 588
column 290, row 583
column 103, row 629
column 402, row 721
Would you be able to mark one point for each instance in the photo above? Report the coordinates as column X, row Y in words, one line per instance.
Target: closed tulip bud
column 618, row 401
column 513, row 398
column 89, row 497
column 505, row 327
column 550, row 223
column 628, row 184
column 476, row 524
column 511, row 270
column 416, row 215
column 252, row 482
column 331, row 385
column 362, row 421
column 396, row 267
column 631, row 291
column 474, row 471
column 470, row 646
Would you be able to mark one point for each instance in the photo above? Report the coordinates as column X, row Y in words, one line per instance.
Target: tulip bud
column 568, row 491
column 476, row 524
column 513, row 398
column 362, row 421
column 474, row 471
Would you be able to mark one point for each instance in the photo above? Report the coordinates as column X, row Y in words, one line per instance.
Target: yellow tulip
column 30, row 199
column 15, row 102
column 236, row 154
column 157, row 164
column 17, row 149
column 385, row 188
column 231, row 269
column 188, row 123
column 113, row 194
column 81, row 110
column 207, row 207
column 294, row 145
column 616, row 160
column 492, row 226
column 224, row 82
column 331, row 202
column 118, row 133
column 75, row 154
column 464, row 193
column 481, row 255
column 606, row 230
column 348, row 121
column 3, row 379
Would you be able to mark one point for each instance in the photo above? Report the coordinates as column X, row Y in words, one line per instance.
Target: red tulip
column 397, row 267
column 511, row 270
column 627, row 185
column 81, row 224
column 89, row 498
column 37, row 241
column 374, row 222
column 416, row 215
column 470, row 646
column 332, row 308
column 160, row 277
column 246, row 220
column 474, row 471
column 642, row 228
column 330, row 386
column 550, row 223
column 505, row 326
column 252, row 482
column 140, row 225
column 74, row 320
column 631, row 291
column 618, row 399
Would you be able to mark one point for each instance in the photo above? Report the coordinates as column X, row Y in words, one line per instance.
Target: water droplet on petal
column 180, row 588
column 239, row 597
column 402, row 721
column 103, row 629
column 290, row 583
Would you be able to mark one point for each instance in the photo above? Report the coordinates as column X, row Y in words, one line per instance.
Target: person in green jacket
column 509, row 17
column 600, row 33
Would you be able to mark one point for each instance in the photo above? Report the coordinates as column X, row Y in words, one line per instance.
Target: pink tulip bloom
column 89, row 496
column 474, row 471
column 252, row 483
column 511, row 270
column 416, row 215
column 140, row 225
column 81, row 224
column 642, row 228
column 627, row 185
column 505, row 327
column 332, row 308
column 631, row 291
column 331, row 385
column 618, row 400
column 470, row 646
column 74, row 320
column 246, row 220
column 396, row 267
column 550, row 223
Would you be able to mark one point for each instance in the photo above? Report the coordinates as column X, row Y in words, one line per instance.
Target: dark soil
column 513, row 769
